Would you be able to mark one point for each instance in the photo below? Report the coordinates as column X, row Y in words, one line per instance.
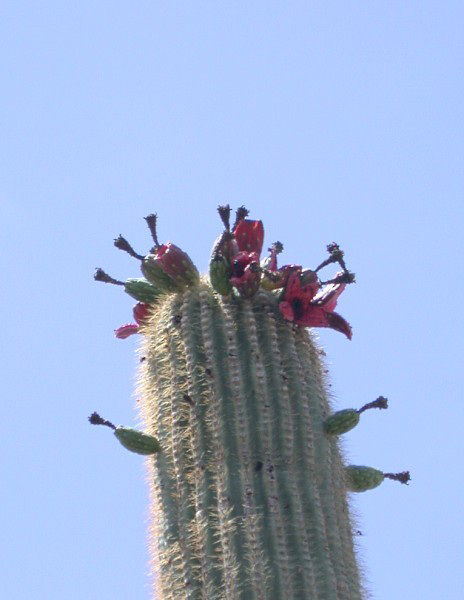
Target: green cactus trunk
column 249, row 492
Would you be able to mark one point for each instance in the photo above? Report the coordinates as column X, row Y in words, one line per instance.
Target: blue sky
column 330, row 121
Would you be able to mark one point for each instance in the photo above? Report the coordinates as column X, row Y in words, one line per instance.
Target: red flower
column 303, row 304
column 246, row 274
column 245, row 269
column 141, row 312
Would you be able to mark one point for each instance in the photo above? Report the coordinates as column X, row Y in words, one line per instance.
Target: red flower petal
column 316, row 316
column 328, row 296
column 249, row 235
column 337, row 322
column 286, row 311
column 287, row 270
column 241, row 267
column 243, row 259
column 126, row 330
column 309, row 283
column 141, row 312
column 246, row 275
column 293, row 288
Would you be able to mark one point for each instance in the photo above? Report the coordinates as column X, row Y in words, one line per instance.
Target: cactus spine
column 249, row 487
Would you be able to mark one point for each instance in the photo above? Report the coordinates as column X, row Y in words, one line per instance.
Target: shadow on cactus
column 249, row 487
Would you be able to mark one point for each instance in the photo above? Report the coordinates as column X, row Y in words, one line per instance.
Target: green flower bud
column 136, row 441
column 341, row 421
column 361, row 479
column 219, row 275
column 142, row 290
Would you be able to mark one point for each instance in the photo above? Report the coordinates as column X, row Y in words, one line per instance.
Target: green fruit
column 155, row 274
column 225, row 245
column 341, row 421
column 142, row 290
column 361, row 479
column 136, row 441
column 219, row 275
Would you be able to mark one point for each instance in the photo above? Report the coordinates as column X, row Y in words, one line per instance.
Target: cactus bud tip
column 95, row 419
column 403, row 477
column 100, row 275
column 224, row 213
column 122, row 244
column 151, row 222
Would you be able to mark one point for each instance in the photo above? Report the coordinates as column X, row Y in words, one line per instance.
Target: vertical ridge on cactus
column 223, row 523
column 248, row 483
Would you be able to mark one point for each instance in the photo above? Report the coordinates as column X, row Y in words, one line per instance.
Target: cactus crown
column 237, row 270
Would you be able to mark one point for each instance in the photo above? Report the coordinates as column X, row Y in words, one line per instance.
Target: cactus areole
column 249, row 489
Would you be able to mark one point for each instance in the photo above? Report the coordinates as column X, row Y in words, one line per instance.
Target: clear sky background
column 330, row 121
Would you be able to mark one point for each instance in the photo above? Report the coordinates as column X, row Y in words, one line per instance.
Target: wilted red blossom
column 245, row 269
column 141, row 312
column 304, row 305
column 246, row 273
column 125, row 331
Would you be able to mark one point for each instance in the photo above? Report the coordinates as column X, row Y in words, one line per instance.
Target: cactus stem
column 325, row 263
column 336, row 255
column 403, row 477
column 248, row 481
column 122, row 244
column 224, row 213
column 151, row 222
column 381, row 402
column 100, row 275
column 95, row 419
column 346, row 277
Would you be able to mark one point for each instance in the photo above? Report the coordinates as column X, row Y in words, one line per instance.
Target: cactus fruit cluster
column 249, row 486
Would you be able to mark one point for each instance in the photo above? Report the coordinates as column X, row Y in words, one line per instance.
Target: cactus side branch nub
column 132, row 439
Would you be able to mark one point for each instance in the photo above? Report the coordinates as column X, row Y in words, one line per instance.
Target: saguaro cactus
column 249, row 486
